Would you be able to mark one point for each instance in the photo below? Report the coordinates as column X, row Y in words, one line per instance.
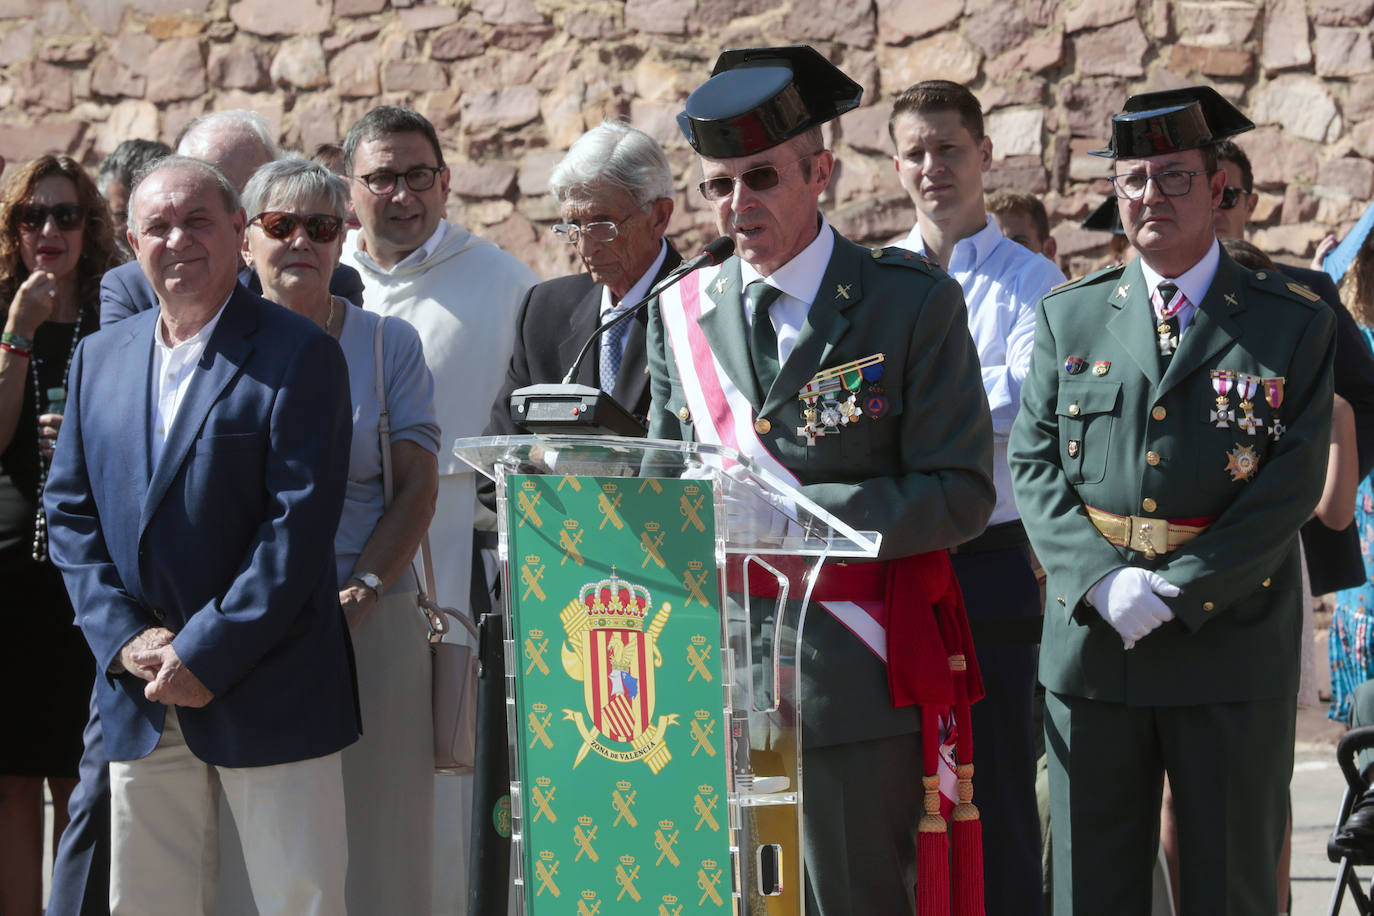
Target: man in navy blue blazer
column 192, row 505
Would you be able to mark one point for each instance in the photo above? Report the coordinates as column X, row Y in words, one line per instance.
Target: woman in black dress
column 55, row 243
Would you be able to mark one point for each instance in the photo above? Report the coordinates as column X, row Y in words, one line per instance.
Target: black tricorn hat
column 757, row 98
column 1106, row 217
column 1172, row 120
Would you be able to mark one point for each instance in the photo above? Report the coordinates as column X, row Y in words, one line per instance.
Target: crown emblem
column 536, row 633
column 617, row 602
column 651, row 527
column 540, row 709
column 570, row 523
column 704, row 790
column 699, row 639
column 670, row 899
column 610, row 487
column 623, row 785
column 547, row 855
column 529, row 485
column 702, row 715
column 589, row 894
column 666, row 824
column 542, row 781
column 694, row 565
column 708, row 864
column 691, row 489
column 532, row 559
column 585, row 820
column 627, row 860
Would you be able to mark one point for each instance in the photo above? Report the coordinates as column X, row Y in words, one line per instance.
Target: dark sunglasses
column 1231, row 196
column 279, row 225
column 67, row 216
column 763, row 178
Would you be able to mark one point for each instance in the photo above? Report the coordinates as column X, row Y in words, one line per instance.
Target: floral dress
column 1352, row 624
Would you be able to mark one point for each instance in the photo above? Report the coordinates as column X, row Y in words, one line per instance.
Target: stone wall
column 510, row 83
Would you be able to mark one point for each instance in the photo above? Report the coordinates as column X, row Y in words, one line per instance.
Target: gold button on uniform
column 1152, row 458
column 1148, row 504
column 684, row 415
column 1207, row 605
column 1261, row 276
column 1073, row 410
column 762, row 426
column 1265, row 583
column 1159, row 413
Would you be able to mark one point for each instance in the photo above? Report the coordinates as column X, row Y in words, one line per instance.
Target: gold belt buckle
column 1150, row 536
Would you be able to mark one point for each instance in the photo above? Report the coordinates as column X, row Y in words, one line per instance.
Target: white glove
column 1128, row 599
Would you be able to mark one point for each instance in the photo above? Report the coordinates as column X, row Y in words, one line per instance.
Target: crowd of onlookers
column 352, row 240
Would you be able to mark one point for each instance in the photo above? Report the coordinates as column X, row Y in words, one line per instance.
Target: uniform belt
column 1151, row 536
column 1002, row 536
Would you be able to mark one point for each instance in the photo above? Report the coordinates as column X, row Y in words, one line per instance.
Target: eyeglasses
column 572, row 233
column 763, row 178
column 1173, row 183
column 417, row 178
column 279, row 225
column 35, row 216
column 1231, row 196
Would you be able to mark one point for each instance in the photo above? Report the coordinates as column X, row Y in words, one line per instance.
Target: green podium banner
column 623, row 737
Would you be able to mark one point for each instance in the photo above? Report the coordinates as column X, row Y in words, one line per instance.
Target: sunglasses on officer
column 1231, row 196
column 34, row 217
column 763, row 178
column 279, row 225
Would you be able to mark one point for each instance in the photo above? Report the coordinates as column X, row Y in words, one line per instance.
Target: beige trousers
column 164, row 827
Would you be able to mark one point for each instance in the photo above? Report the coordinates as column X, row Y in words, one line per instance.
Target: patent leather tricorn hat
column 1171, row 121
column 757, row 98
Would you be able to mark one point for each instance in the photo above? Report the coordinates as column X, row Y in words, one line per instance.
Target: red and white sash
column 724, row 416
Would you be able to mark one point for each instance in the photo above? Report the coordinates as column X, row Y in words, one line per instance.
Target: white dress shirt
column 1002, row 283
column 798, row 280
column 1192, row 283
column 634, row 293
column 172, row 373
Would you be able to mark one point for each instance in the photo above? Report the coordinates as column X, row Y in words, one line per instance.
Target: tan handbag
column 454, row 676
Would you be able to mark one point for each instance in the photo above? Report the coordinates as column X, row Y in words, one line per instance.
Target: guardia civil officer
column 1171, row 441
column 851, row 372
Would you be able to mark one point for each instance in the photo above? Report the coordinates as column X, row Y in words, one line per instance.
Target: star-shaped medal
column 1242, row 462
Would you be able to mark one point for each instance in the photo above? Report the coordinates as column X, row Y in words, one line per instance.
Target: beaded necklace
column 40, row 521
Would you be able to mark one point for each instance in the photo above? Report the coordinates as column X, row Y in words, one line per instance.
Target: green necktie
column 763, row 340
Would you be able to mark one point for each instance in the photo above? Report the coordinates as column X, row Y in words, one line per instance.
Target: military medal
column 1242, row 462
column 1168, row 340
column 1222, row 414
column 1075, row 364
column 1072, row 448
column 1101, row 367
column 1246, row 386
column 832, row 399
column 1273, row 396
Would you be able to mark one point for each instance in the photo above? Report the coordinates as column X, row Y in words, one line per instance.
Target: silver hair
column 240, row 118
column 287, row 182
column 614, row 153
column 176, row 162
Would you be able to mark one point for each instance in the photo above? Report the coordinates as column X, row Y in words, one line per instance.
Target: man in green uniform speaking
column 1171, row 441
column 852, row 373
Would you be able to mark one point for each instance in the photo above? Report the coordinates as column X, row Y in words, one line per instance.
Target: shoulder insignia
column 1305, row 292
column 895, row 254
column 1087, row 279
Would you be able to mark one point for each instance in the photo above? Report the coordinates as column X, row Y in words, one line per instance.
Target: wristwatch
column 371, row 580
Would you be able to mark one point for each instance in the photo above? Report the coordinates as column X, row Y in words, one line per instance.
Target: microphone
column 714, row 253
column 572, row 408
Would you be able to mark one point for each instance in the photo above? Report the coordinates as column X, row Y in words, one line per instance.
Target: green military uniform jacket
column 921, row 474
column 1136, row 438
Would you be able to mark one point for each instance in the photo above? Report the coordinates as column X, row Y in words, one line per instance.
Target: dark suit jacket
column 554, row 322
column 125, row 291
column 227, row 540
column 1334, row 560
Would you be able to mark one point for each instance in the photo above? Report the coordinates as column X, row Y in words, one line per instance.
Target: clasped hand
column 1129, row 599
column 150, row 656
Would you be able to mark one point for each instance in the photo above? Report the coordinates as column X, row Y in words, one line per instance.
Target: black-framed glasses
column 600, row 231
column 279, row 225
column 35, row 216
column 763, row 178
column 1230, row 196
column 417, row 178
column 1171, row 183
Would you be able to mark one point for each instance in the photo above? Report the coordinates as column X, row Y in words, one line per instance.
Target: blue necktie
column 613, row 352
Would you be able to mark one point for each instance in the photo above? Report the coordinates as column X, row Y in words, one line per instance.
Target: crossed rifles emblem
column 697, row 653
column 702, row 727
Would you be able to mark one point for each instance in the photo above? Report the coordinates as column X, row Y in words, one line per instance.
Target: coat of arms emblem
column 611, row 651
